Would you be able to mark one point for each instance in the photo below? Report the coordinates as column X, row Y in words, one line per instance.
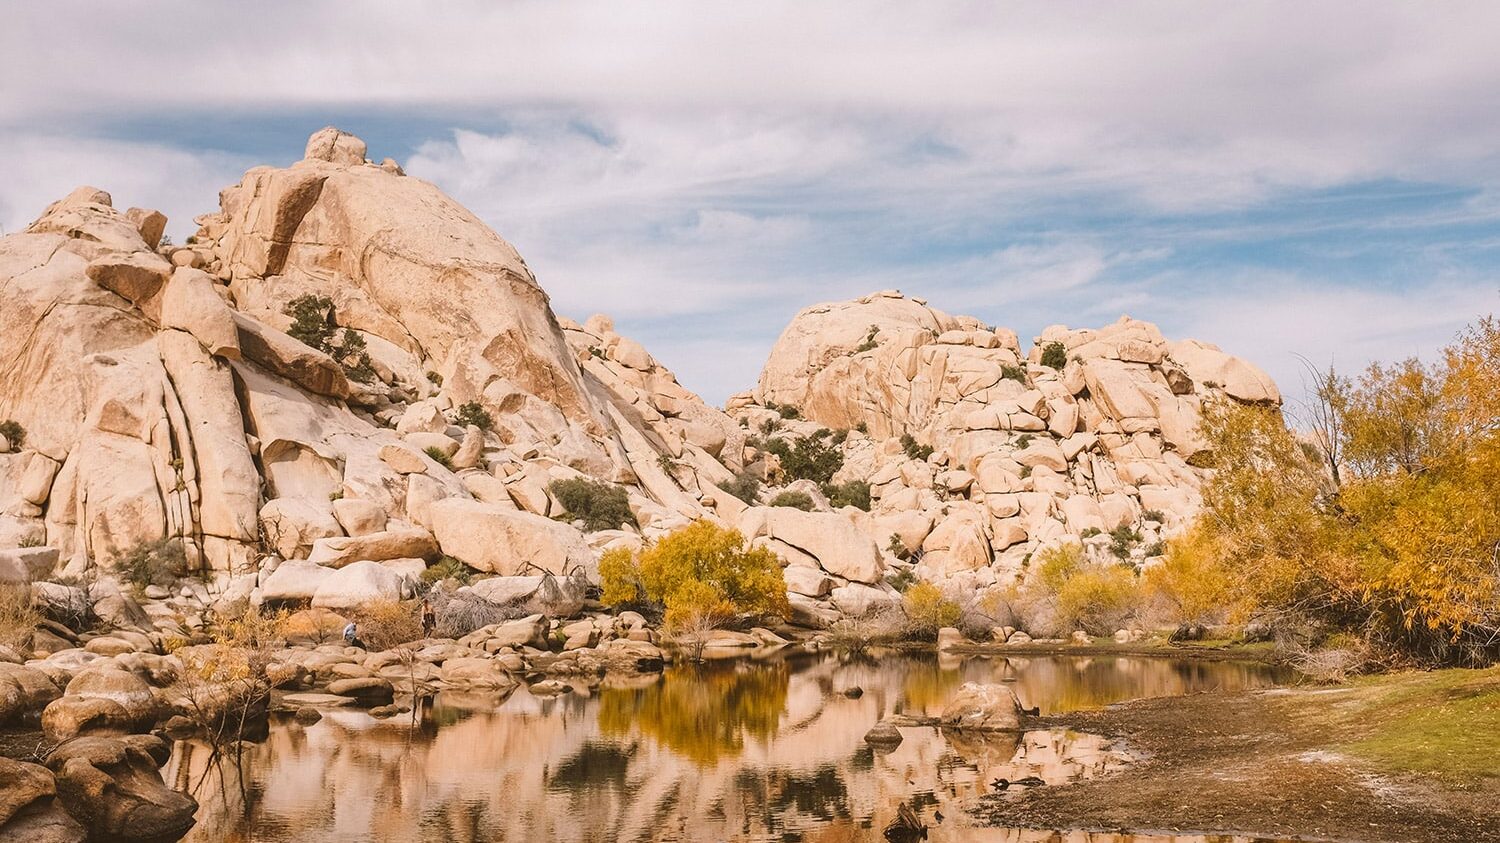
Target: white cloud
column 41, row 168
column 703, row 169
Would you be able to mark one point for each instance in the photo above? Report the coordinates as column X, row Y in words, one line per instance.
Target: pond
column 752, row 751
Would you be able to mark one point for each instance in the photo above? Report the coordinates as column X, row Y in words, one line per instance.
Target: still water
column 755, row 751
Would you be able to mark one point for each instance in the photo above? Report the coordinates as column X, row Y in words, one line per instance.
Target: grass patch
column 1445, row 723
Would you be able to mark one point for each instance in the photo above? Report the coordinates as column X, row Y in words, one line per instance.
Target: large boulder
column 393, row 543
column 24, row 691
column 113, row 786
column 983, row 708
column 840, row 547
column 101, row 700
column 406, row 264
column 507, row 541
column 357, row 584
column 557, row 597
column 28, row 811
column 1207, row 364
column 294, row 581
column 291, row 525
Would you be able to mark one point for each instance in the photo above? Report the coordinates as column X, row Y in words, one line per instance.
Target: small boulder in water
column 980, row 707
column 883, row 734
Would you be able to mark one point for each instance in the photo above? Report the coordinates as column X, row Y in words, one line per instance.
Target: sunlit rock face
column 161, row 395
column 1007, row 450
column 746, row 752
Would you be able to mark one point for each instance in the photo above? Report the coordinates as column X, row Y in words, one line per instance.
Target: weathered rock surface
column 983, row 708
column 112, row 786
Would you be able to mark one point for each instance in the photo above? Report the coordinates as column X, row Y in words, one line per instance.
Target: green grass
column 1445, row 723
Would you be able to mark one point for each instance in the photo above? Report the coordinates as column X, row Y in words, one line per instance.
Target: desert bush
column 1065, row 592
column 1123, row 539
column 1154, row 515
column 459, row 613
column 1054, row 355
column 1389, row 529
column 439, row 456
column 473, row 413
column 927, row 611
column 855, row 633
column 793, row 499
column 770, row 426
column 18, row 619
column 157, row 562
column 869, row 342
column 448, row 568
column 787, row 411
column 745, row 486
column 1014, row 373
column 902, row 580
column 602, row 506
column 384, row 624
column 13, row 433
column 224, row 687
column 701, row 573
column 313, row 324
column 808, row 457
column 1099, row 599
column 913, row 449
column 855, row 493
column 897, row 547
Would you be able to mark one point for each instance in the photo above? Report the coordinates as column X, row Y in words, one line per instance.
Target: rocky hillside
column 344, row 368
column 978, row 453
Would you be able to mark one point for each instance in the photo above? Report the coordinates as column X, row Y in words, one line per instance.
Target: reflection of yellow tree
column 700, row 713
column 927, row 684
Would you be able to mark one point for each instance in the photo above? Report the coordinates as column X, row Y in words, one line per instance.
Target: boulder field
column 157, row 391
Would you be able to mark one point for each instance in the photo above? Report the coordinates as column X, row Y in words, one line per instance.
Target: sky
column 1287, row 180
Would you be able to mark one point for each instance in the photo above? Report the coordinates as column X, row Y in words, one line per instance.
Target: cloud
column 1271, row 176
column 41, row 168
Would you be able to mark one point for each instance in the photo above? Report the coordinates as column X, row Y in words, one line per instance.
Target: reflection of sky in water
column 764, row 752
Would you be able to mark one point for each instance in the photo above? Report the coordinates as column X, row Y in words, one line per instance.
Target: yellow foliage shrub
column 18, row 619
column 384, row 624
column 1191, row 579
column 927, row 610
column 701, row 574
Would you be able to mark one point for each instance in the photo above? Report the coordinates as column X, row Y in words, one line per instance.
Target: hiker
column 351, row 636
column 429, row 618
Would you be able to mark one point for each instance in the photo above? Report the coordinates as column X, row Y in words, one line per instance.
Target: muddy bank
column 1310, row 763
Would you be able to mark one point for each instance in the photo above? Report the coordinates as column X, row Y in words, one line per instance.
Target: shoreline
column 1228, row 652
column 1339, row 763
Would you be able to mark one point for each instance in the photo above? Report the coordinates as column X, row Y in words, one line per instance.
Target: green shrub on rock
column 795, row 500
column 855, row 493
column 13, row 433
column 473, row 413
column 1054, row 355
column 602, row 506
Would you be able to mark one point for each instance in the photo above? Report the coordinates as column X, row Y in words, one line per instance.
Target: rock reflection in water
column 746, row 752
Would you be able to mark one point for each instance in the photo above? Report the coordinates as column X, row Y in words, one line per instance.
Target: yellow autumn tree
column 699, row 575
column 1402, row 544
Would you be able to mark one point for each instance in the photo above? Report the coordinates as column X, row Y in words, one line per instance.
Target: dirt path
column 1265, row 763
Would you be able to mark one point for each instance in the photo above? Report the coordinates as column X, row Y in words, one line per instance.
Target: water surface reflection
column 764, row 751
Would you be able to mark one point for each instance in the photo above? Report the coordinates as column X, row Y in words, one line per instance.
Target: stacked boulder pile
column 979, row 454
